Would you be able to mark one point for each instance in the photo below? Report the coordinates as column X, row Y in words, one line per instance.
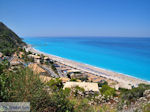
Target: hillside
column 9, row 41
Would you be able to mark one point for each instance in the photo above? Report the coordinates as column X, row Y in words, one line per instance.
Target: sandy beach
column 124, row 81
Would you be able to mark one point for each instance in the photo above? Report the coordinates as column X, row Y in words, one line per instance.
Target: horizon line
column 85, row 36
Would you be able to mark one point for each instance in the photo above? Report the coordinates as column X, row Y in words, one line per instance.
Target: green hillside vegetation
column 9, row 41
column 25, row 86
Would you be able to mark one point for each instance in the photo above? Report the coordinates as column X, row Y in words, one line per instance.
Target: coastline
column 124, row 80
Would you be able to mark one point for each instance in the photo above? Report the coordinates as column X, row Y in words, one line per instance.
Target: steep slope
column 9, row 41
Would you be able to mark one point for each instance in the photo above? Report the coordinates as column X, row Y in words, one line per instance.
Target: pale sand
column 125, row 81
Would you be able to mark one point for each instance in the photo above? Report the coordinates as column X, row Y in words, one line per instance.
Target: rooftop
column 86, row 85
column 34, row 56
column 73, row 70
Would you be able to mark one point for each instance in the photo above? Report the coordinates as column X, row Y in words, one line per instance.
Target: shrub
column 24, row 86
column 134, row 93
column 107, row 91
column 83, row 106
column 74, row 80
column 61, row 103
column 55, row 84
column 67, row 91
column 146, row 108
column 103, row 108
column 77, row 90
column 4, row 95
column 100, row 84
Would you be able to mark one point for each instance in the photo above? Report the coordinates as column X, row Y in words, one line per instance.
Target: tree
column 74, row 80
column 55, row 84
column 100, row 84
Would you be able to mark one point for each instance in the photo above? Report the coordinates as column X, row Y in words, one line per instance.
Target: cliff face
column 9, row 41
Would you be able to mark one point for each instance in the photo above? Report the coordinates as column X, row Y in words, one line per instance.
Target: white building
column 88, row 86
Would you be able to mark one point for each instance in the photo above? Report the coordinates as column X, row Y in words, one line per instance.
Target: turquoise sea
column 125, row 55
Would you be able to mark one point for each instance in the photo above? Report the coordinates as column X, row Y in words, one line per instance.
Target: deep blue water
column 125, row 55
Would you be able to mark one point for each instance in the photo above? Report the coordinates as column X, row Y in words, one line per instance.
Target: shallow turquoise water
column 125, row 55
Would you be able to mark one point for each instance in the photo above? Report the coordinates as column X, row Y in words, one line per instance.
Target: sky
column 66, row 18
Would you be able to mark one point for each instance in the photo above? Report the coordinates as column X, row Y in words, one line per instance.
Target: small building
column 87, row 86
column 36, row 58
column 74, row 71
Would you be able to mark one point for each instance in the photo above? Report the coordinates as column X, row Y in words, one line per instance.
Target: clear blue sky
column 125, row 18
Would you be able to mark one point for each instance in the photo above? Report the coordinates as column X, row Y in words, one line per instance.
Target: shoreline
column 124, row 80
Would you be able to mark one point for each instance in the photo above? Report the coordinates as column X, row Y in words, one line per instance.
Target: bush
column 55, row 84
column 74, row 80
column 4, row 95
column 103, row 108
column 107, row 91
column 67, row 91
column 61, row 103
column 4, row 65
column 146, row 108
column 83, row 106
column 77, row 90
column 24, row 86
column 100, row 84
column 134, row 93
